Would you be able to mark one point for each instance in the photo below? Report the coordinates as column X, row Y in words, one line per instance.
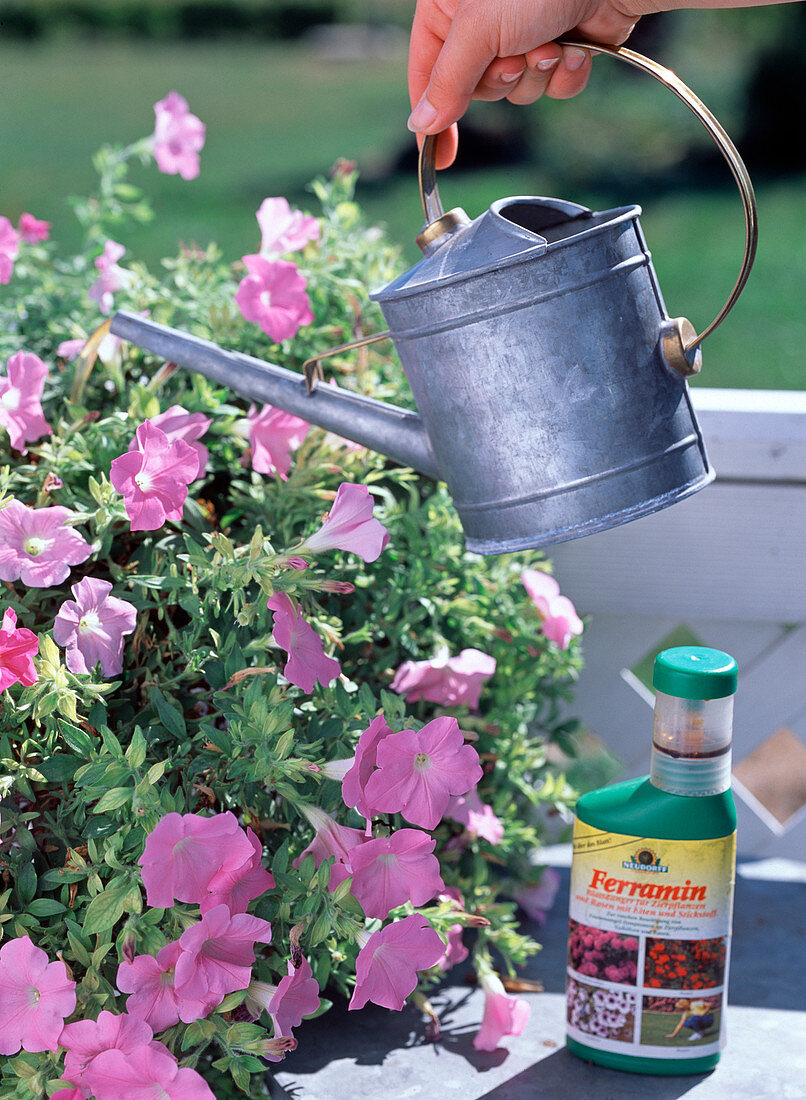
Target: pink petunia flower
column 154, row 479
column 149, row 1073
column 35, row 997
column 37, row 546
column 69, row 1093
column 21, row 400
column 178, row 423
column 149, row 981
column 283, row 229
column 455, row 950
column 236, row 888
column 33, row 230
column 418, row 771
column 364, row 763
column 503, row 1014
column 69, row 349
column 108, row 350
column 9, row 249
column 560, row 621
column 273, row 435
column 350, row 525
column 331, row 839
column 112, row 277
column 92, row 627
column 451, row 681
column 478, row 818
column 537, row 900
column 178, row 137
column 393, row 870
column 218, row 953
column 307, row 662
column 387, row 965
column 273, row 296
column 18, row 647
column 296, row 996
column 343, row 588
column 184, row 853
column 84, row 1040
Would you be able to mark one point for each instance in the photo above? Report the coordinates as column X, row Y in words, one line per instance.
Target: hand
column 502, row 49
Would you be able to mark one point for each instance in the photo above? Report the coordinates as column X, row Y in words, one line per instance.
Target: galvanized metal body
column 532, row 341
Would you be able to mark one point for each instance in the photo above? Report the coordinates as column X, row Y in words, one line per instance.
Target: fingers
column 500, row 78
column 557, row 71
column 570, row 76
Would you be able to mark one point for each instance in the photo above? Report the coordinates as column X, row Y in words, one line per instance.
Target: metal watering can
column 549, row 378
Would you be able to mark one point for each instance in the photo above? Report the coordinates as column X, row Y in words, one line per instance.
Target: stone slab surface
column 380, row 1055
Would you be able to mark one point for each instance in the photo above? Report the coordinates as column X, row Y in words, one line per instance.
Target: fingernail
column 549, row 63
column 423, row 115
column 510, row 78
column 574, row 59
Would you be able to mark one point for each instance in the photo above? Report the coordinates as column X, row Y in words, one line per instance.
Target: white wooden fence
column 727, row 568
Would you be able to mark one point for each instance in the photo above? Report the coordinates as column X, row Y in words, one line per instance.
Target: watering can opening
column 556, row 220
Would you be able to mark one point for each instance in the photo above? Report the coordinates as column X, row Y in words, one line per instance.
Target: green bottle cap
column 694, row 672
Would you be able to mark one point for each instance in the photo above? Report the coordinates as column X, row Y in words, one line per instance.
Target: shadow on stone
column 561, row 1074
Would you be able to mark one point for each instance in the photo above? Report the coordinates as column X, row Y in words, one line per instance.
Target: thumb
column 458, row 68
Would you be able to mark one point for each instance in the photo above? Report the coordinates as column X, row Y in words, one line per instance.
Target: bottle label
column 648, row 943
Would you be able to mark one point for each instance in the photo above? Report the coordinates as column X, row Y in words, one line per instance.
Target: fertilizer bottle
column 652, row 886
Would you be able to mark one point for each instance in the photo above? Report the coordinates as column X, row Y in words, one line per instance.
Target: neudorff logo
column 644, row 860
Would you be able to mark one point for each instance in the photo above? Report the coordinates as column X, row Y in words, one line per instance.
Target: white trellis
column 729, row 566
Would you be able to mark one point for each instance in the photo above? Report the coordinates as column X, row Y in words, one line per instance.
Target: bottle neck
column 691, row 748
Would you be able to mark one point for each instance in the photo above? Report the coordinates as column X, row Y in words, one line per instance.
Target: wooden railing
column 725, row 568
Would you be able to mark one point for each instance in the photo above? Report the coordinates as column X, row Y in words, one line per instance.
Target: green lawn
column 657, row 1026
column 277, row 116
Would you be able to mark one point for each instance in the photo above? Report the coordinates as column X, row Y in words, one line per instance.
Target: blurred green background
column 286, row 89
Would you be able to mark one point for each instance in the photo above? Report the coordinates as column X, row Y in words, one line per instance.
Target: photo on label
column 602, row 953
column 608, row 1013
column 680, row 1021
column 685, row 964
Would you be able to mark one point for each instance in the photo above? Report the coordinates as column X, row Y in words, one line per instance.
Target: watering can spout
column 392, row 431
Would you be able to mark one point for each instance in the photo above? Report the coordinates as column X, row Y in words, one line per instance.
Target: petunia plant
column 269, row 736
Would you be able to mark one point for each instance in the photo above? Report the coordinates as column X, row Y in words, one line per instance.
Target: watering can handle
column 433, row 210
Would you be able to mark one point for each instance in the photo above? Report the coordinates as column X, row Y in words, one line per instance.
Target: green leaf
column 100, row 826
column 170, row 717
column 280, row 861
column 220, row 738
column 241, row 1077
column 79, row 950
column 232, row 1000
column 238, row 1034
column 111, row 743
column 284, row 744
column 26, row 883
column 200, row 1031
column 156, row 771
column 113, row 800
column 136, row 752
column 45, row 907
column 254, row 1065
column 105, row 909
column 58, row 767
column 77, row 740
column 321, row 928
